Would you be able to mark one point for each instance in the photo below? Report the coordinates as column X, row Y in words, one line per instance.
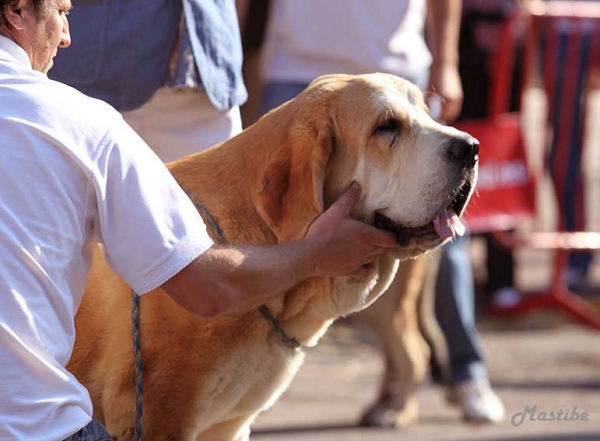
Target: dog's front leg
column 237, row 429
column 394, row 319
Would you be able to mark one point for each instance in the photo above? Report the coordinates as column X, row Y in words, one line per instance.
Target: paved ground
column 552, row 367
column 541, row 360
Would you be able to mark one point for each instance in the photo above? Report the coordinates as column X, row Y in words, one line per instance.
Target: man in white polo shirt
column 73, row 171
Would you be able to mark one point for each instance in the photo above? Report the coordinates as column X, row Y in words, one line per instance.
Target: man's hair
column 38, row 5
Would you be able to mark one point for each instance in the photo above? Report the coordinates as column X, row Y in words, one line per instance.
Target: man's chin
column 48, row 66
column 45, row 68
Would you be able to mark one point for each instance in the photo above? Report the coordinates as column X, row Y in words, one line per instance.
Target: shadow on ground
column 548, row 385
column 277, row 433
column 549, row 437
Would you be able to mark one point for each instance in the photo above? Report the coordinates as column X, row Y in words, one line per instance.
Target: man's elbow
column 207, row 309
column 209, row 301
column 220, row 298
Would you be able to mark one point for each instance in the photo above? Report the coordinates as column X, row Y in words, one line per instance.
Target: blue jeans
column 455, row 311
column 94, row 431
column 275, row 94
column 565, row 154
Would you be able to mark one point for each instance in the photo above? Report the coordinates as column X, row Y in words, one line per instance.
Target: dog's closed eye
column 389, row 127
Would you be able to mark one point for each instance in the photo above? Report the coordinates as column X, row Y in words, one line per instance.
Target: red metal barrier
column 562, row 47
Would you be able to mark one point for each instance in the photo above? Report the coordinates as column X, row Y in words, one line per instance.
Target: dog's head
column 417, row 175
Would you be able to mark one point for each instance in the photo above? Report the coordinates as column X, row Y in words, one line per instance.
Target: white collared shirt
column 11, row 51
column 70, row 170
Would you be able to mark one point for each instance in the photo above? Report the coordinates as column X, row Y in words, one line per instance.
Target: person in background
column 85, row 168
column 568, row 177
column 173, row 68
column 309, row 38
column 479, row 39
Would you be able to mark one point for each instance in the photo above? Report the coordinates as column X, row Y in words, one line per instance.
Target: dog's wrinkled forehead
column 394, row 93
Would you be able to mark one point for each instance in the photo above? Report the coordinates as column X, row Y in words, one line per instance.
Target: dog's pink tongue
column 447, row 224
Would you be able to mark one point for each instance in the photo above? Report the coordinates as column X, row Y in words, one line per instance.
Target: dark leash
column 137, row 361
column 290, row 342
column 135, row 326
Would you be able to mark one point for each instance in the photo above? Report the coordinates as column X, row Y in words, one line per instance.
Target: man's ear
column 292, row 193
column 14, row 16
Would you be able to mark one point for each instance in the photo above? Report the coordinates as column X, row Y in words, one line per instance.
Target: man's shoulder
column 77, row 103
column 68, row 108
column 76, row 121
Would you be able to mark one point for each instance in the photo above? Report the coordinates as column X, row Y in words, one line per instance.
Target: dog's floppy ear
column 292, row 193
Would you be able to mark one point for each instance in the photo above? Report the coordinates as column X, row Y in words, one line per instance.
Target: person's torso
column 309, row 38
column 73, row 173
column 45, row 168
column 120, row 51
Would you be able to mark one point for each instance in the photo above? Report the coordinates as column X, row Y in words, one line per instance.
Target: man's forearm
column 237, row 279
column 444, row 30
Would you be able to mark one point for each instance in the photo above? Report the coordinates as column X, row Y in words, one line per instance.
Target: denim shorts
column 94, row 431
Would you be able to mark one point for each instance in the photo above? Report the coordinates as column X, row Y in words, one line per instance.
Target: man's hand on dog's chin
column 239, row 278
column 342, row 245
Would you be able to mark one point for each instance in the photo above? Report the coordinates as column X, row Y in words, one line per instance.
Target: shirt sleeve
column 148, row 225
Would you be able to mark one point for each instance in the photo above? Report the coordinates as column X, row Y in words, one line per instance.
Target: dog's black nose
column 464, row 151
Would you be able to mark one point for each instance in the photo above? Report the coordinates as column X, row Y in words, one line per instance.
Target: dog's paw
column 384, row 415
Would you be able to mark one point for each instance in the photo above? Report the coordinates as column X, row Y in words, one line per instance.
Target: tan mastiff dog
column 207, row 379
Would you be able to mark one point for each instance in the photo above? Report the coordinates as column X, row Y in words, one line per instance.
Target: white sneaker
column 477, row 400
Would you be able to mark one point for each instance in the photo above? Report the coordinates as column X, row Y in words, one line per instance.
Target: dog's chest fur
column 258, row 376
column 247, row 385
